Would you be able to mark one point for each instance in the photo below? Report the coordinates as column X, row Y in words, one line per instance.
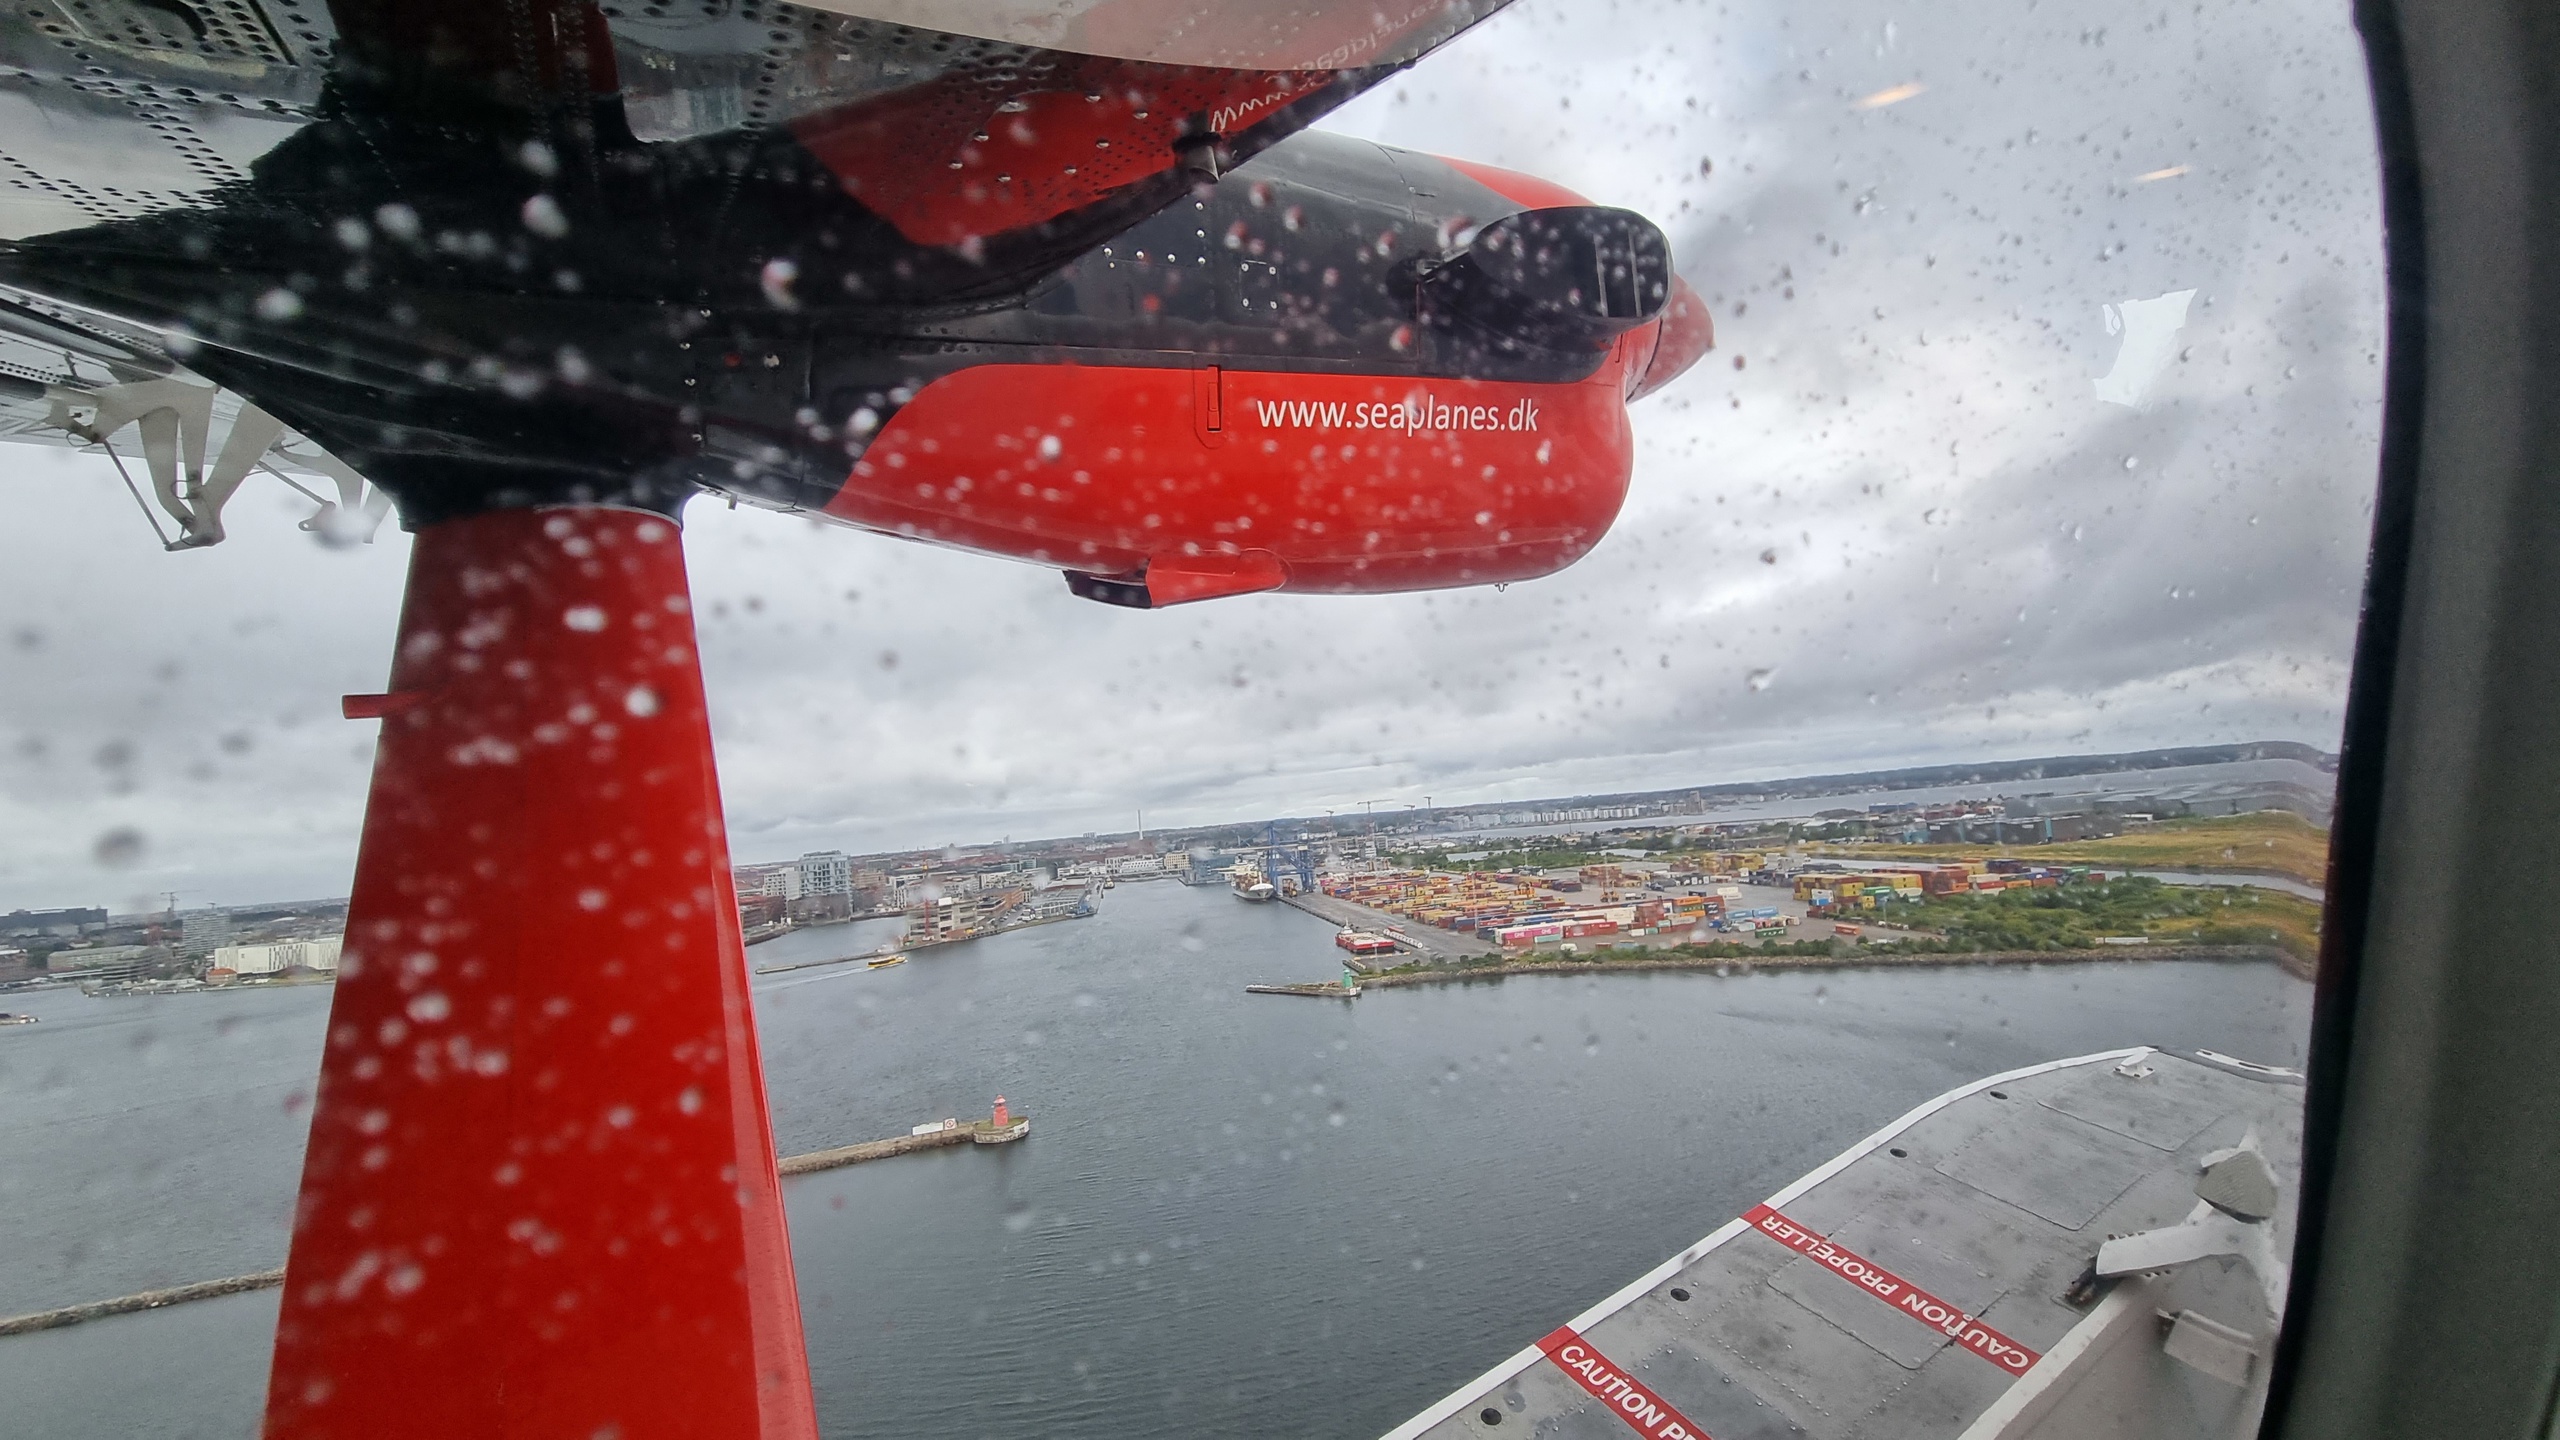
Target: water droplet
column 119, row 848
column 776, row 280
column 587, row 618
column 1759, row 679
column 430, row 1007
column 542, row 216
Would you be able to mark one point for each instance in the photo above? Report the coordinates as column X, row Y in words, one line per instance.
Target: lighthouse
column 1000, row 1117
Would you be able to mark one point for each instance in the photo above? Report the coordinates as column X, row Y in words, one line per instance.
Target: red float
column 1308, row 482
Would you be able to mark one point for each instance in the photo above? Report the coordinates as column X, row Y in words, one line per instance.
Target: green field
column 2274, row 841
column 2073, row 917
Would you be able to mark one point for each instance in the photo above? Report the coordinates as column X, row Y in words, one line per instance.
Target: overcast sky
column 1888, row 521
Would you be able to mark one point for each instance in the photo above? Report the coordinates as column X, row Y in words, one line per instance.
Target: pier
column 1001, row 1130
column 1327, row 990
column 1426, row 942
column 1003, row 1127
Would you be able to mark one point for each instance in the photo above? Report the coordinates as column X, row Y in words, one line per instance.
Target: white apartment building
column 826, row 872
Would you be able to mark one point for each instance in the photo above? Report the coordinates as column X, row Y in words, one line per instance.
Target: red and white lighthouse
column 1000, row 1119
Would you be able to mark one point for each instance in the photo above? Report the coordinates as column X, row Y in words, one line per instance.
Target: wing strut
column 540, row 1197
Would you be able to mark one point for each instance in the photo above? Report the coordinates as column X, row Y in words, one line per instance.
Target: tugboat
column 885, row 961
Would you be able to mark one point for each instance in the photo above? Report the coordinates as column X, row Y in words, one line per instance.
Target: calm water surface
column 1236, row 1214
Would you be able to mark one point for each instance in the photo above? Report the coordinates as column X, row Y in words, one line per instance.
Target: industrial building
column 276, row 957
column 105, row 962
column 29, row 923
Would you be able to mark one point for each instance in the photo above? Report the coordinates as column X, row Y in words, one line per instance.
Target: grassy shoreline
column 1841, row 960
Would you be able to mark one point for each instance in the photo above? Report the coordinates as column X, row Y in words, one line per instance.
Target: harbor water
column 1237, row 1215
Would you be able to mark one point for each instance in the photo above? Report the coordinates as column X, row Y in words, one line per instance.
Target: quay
column 1428, row 942
column 1326, row 990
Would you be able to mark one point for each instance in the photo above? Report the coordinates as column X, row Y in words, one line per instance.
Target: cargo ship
column 1250, row 884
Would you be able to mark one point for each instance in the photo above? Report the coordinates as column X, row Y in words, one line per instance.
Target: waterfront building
column 104, row 962
column 278, row 956
column 826, row 872
column 201, row 932
column 781, row 881
column 761, row 912
column 958, row 917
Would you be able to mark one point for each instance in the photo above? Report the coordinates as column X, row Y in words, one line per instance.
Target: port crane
column 1295, row 863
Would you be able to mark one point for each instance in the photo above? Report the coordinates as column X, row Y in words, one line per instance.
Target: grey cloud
column 1963, row 565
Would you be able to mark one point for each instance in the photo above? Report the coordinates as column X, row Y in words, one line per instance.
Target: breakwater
column 1319, row 992
column 146, row 1300
column 976, row 1132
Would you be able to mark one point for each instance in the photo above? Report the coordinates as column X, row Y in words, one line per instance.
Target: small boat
column 10, row 1017
column 885, row 961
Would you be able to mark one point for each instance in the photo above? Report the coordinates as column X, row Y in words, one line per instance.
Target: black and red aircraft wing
column 474, row 195
column 1010, row 133
column 1049, row 114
